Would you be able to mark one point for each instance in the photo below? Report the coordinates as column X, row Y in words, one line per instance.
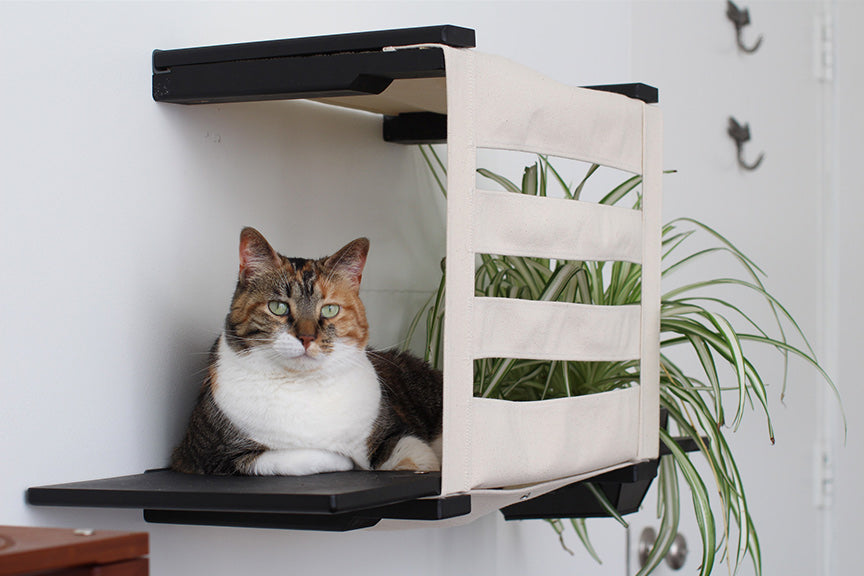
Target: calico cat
column 291, row 388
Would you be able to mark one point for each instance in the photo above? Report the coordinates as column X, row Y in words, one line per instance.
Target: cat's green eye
column 329, row 310
column 278, row 308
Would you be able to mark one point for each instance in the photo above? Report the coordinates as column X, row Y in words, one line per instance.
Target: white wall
column 849, row 237
column 780, row 217
column 120, row 219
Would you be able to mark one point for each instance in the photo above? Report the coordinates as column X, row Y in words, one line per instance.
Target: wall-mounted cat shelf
column 430, row 86
column 339, row 501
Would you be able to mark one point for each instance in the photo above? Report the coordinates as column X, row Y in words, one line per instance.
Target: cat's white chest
column 332, row 408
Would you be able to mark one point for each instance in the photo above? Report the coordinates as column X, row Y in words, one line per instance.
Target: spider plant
column 712, row 328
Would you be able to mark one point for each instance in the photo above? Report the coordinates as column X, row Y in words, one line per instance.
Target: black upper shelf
column 315, row 67
column 336, row 501
column 287, row 78
column 315, row 45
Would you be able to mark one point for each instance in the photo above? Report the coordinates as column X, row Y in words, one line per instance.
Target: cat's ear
column 350, row 260
column 256, row 254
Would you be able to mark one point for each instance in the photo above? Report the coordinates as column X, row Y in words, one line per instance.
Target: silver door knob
column 677, row 554
column 675, row 558
column 646, row 541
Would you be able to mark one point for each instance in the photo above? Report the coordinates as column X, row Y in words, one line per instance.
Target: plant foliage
column 691, row 318
column 698, row 403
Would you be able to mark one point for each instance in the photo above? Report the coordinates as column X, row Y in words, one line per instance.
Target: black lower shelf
column 321, row 522
column 332, row 493
column 337, row 501
column 334, row 501
column 423, row 509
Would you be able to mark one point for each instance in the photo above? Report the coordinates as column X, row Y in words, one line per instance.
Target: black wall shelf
column 329, row 67
column 334, row 501
column 332, row 493
column 337, row 501
column 327, row 75
column 373, row 41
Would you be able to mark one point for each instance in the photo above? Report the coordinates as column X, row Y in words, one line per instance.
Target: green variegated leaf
column 669, row 512
column 500, row 180
column 436, row 167
column 621, row 190
column 604, row 501
column 564, row 186
column 701, row 502
column 529, row 181
column 582, row 531
column 577, row 192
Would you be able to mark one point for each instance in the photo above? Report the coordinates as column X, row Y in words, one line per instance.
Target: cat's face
column 295, row 313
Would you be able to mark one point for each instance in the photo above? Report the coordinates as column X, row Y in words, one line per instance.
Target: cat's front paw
column 299, row 463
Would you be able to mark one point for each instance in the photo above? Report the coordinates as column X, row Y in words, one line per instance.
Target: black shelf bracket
column 637, row 91
column 431, row 128
column 416, row 128
column 624, row 489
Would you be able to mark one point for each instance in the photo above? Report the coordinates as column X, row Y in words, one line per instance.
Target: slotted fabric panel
column 520, row 109
column 536, row 424
column 524, row 225
column 510, row 328
column 491, row 444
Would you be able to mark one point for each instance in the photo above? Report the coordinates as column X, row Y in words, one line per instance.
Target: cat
column 291, row 387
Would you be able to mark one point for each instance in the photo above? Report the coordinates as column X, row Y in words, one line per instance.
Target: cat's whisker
column 381, row 357
column 200, row 372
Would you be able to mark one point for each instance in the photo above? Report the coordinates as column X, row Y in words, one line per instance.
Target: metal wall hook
column 741, row 134
column 741, row 18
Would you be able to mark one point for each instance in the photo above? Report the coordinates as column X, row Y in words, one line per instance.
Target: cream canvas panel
column 525, row 442
column 459, row 296
column 511, row 328
column 495, row 103
column 541, row 115
column 404, row 95
column 652, row 190
column 524, row 225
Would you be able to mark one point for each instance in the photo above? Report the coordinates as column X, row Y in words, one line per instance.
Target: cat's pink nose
column 306, row 340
